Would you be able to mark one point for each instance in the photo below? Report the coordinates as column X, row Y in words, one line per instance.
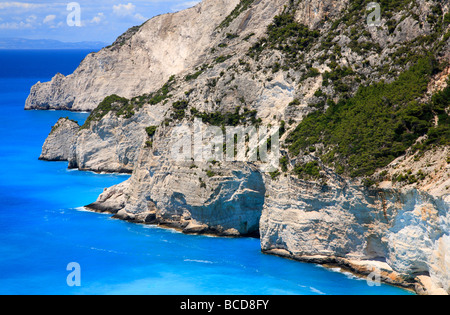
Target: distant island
column 22, row 43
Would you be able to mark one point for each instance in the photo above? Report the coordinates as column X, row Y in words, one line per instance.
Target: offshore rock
column 58, row 145
column 401, row 230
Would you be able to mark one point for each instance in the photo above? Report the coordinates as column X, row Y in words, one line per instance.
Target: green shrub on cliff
column 377, row 125
column 126, row 108
column 57, row 125
column 110, row 103
column 287, row 35
column 193, row 76
column 179, row 109
column 238, row 117
column 308, row 170
column 438, row 134
column 151, row 131
column 241, row 7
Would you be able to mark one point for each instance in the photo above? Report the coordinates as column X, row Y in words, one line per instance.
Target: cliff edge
column 362, row 113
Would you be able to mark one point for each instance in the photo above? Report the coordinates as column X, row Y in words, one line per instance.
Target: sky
column 82, row 20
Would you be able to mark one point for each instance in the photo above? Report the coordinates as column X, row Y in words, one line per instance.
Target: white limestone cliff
column 403, row 231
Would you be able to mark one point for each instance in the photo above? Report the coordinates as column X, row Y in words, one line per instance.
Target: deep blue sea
column 43, row 229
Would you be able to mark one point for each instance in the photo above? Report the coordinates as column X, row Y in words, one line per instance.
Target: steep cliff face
column 113, row 144
column 276, row 63
column 345, row 224
column 137, row 62
column 59, row 143
column 211, row 197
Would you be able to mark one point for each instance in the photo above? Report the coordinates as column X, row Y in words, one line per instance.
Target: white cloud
column 124, row 9
column 140, row 17
column 49, row 19
column 60, row 24
column 21, row 5
column 127, row 10
column 98, row 18
column 16, row 23
column 31, row 19
column 15, row 26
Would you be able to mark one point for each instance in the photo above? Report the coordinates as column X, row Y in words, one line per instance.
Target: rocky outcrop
column 313, row 13
column 220, row 198
column 58, row 145
column 112, row 200
column 341, row 223
column 225, row 70
column 202, row 199
column 137, row 63
column 113, row 144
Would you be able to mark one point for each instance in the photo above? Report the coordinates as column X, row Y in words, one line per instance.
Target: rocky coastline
column 210, row 62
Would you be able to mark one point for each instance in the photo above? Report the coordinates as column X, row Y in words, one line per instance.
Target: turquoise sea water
column 43, row 228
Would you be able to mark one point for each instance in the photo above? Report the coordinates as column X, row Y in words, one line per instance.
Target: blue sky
column 101, row 20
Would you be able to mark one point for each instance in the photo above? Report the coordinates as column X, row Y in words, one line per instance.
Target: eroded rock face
column 163, row 46
column 112, row 200
column 312, row 13
column 228, row 203
column 59, row 143
column 223, row 198
column 408, row 229
column 401, row 230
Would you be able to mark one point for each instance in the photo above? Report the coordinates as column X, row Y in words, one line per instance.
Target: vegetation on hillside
column 378, row 124
column 110, row 103
column 55, row 127
column 127, row 108
column 151, row 131
column 238, row 117
column 369, row 126
column 287, row 35
column 241, row 7
column 179, row 109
